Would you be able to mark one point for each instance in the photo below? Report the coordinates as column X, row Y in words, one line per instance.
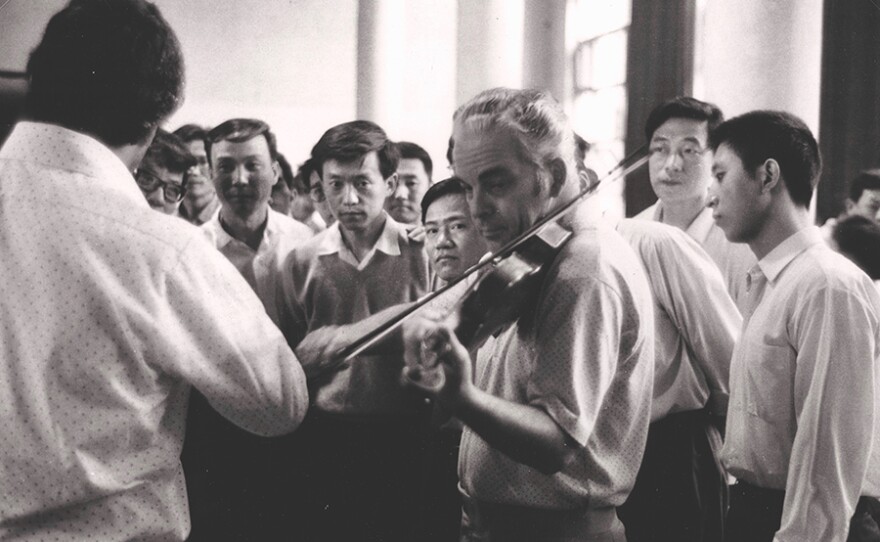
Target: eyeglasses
column 689, row 152
column 148, row 181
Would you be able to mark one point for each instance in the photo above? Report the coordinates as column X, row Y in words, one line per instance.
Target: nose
column 673, row 160
column 480, row 206
column 350, row 195
column 444, row 239
column 401, row 191
column 239, row 175
column 712, row 200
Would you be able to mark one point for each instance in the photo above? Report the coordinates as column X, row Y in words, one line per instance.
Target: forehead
column 164, row 173
column 726, row 158
column 446, row 207
column 367, row 164
column 677, row 129
column 255, row 146
column 870, row 194
column 481, row 148
column 412, row 166
column 196, row 147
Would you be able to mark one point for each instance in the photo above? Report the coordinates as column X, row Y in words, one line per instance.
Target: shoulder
column 290, row 226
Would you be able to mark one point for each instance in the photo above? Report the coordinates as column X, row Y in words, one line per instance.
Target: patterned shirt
column 804, row 399
column 262, row 267
column 109, row 311
column 586, row 359
column 696, row 322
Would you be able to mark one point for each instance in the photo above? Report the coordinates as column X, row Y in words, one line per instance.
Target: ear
column 558, row 174
column 769, row 175
column 276, row 171
column 391, row 184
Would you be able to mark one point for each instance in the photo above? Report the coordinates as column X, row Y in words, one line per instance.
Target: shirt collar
column 223, row 238
column 388, row 243
column 773, row 263
column 61, row 148
column 698, row 229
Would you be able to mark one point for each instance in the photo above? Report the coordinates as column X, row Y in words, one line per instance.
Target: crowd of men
column 173, row 359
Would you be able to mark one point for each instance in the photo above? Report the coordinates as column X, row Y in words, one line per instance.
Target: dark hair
column 760, row 135
column 858, row 238
column 446, row 187
column 868, row 179
column 192, row 132
column 168, row 151
column 113, row 70
column 304, row 173
column 240, row 130
column 287, row 174
column 684, row 107
column 352, row 140
column 411, row 150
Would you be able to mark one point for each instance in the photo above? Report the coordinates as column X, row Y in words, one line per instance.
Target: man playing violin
column 556, row 407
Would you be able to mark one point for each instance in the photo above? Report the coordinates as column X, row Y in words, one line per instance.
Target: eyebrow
column 497, row 171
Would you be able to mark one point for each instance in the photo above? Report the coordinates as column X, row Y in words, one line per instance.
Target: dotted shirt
column 109, row 311
column 588, row 362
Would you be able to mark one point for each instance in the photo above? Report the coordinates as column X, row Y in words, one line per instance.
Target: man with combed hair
column 802, row 433
column 253, row 236
column 413, row 179
column 200, row 202
column 556, row 412
column 680, row 163
column 110, row 311
column 361, row 444
column 162, row 174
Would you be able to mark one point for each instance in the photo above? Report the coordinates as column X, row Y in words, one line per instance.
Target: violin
column 508, row 282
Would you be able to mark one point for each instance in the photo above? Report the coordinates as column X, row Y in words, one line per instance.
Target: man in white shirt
column 680, row 163
column 110, row 311
column 253, row 236
column 802, row 432
column 200, row 202
column 162, row 174
column 413, row 179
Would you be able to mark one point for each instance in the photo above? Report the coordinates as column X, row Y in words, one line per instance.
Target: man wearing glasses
column 162, row 173
column 680, row 169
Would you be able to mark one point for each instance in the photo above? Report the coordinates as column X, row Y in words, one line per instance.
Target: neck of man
column 195, row 207
column 783, row 221
column 681, row 213
column 248, row 230
column 361, row 242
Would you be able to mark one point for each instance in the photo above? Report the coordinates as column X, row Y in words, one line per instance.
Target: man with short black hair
column 362, row 440
column 678, row 132
column 162, row 174
column 111, row 312
column 802, row 436
column 200, row 202
column 413, row 179
column 255, row 238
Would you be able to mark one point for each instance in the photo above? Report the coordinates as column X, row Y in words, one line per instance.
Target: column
column 544, row 47
column 380, row 61
column 490, row 46
column 763, row 54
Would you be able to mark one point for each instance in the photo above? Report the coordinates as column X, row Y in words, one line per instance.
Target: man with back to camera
column 361, row 443
column 200, row 202
column 413, row 179
column 162, row 174
column 111, row 311
column 802, row 435
column 680, row 163
column 557, row 411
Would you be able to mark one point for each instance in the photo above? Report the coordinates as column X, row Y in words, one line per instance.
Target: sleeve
column 578, row 335
column 834, row 387
column 694, row 295
column 224, row 344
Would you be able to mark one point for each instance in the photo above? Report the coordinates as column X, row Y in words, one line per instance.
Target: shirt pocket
column 770, row 381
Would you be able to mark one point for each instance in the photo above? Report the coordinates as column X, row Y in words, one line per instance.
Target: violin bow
column 623, row 168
